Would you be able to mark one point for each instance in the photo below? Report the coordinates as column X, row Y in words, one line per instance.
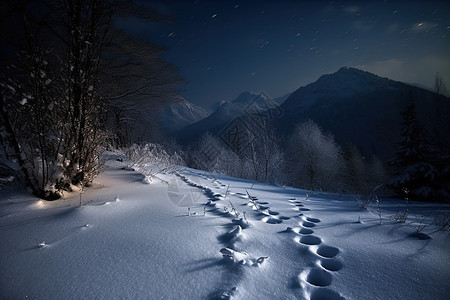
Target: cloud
column 351, row 9
column 363, row 25
column 384, row 67
column 393, row 28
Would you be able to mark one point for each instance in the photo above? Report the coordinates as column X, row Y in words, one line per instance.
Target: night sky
column 223, row 48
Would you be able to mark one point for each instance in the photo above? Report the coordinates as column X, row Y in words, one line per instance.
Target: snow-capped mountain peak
column 178, row 115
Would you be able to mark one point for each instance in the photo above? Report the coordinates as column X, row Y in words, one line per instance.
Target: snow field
column 205, row 236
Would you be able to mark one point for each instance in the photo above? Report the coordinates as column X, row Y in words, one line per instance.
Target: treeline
column 71, row 82
column 309, row 159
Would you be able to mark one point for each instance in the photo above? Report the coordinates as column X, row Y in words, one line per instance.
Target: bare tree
column 62, row 77
column 29, row 103
column 137, row 81
column 356, row 171
column 262, row 154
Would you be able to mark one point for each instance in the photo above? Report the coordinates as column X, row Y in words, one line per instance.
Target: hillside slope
column 359, row 108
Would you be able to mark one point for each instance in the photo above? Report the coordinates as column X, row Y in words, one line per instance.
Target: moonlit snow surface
column 132, row 240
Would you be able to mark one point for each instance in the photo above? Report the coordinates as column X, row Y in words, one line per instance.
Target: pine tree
column 414, row 164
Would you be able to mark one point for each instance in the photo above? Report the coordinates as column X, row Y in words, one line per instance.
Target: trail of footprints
column 315, row 280
column 264, row 212
column 232, row 257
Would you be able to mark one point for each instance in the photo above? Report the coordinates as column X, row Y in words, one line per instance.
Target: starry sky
column 223, row 48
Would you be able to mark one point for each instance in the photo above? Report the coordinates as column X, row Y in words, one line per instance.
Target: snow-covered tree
column 377, row 173
column 262, row 155
column 33, row 106
column 312, row 159
column 356, row 171
column 211, row 154
column 152, row 160
column 65, row 66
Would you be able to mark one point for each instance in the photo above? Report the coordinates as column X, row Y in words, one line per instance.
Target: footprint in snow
column 271, row 220
column 327, row 251
column 315, row 281
column 273, row 213
column 308, row 224
column 316, row 277
column 331, row 264
column 313, row 220
column 306, row 230
column 309, row 240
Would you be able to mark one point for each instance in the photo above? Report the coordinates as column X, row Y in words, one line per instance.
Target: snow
column 181, row 114
column 134, row 240
column 227, row 111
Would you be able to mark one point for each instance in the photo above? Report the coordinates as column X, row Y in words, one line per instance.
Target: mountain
column 420, row 86
column 224, row 115
column 357, row 107
column 212, row 108
column 281, row 99
column 178, row 115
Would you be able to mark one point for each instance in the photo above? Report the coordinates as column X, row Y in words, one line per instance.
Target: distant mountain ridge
column 178, row 115
column 344, row 83
column 356, row 106
column 223, row 115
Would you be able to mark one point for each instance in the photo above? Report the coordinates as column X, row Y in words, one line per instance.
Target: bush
column 152, row 159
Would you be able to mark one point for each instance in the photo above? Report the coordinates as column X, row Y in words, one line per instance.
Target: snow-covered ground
column 205, row 236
